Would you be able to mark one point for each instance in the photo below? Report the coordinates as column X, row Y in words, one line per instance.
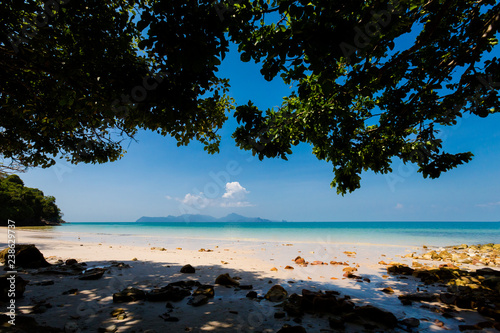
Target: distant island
column 202, row 218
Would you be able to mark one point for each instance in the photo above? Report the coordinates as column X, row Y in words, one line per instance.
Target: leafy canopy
column 373, row 80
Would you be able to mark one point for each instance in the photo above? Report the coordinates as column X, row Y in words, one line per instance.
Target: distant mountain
column 202, row 218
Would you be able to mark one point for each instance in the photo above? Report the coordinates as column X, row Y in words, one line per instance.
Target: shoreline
column 230, row 311
column 382, row 237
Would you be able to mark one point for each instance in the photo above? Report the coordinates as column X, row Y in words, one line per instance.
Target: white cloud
column 489, row 204
column 234, row 196
column 234, row 191
column 196, row 200
column 399, row 206
column 236, row 204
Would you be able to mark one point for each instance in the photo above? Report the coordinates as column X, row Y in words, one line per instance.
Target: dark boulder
column 276, row 294
column 92, row 274
column 206, row 290
column 226, row 280
column 27, row 256
column 12, row 286
column 292, row 329
column 168, row 293
column 188, row 269
column 376, row 315
column 129, row 295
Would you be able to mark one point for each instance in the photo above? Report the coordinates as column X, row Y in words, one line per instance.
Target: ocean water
column 389, row 233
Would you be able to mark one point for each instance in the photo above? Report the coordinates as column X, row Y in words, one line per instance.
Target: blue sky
column 157, row 178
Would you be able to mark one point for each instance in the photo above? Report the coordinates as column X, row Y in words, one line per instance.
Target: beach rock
column 206, row 290
column 400, row 269
column 119, row 265
column 119, row 314
column 166, row 317
column 40, row 307
column 405, row 301
column 430, row 255
column 44, row 283
column 92, row 274
column 492, row 282
column 300, row 261
column 292, row 306
column 252, row 294
column 416, row 264
column 491, row 312
column 199, row 300
column 488, row 271
column 246, row 287
column 188, row 269
column 349, row 269
column 274, row 269
column 9, row 283
column 317, row 262
column 276, row 294
column 346, row 305
column 59, row 270
column 336, row 323
column 186, row 284
column 70, row 262
column 169, row 293
column 288, row 267
column 438, row 323
column 410, row 322
column 109, row 328
column 129, row 295
column 338, row 263
column 73, row 291
column 279, row 315
column 292, row 329
column 25, row 324
column 388, row 290
column 419, row 297
column 27, row 256
column 326, row 304
column 376, row 315
column 226, row 280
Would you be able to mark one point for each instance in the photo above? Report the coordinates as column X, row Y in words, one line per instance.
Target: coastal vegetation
column 26, row 205
column 372, row 81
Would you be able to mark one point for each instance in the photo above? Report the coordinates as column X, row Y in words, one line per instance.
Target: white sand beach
column 88, row 309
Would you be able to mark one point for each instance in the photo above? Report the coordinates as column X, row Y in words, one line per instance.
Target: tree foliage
column 373, row 81
column 74, row 83
column 365, row 95
column 25, row 205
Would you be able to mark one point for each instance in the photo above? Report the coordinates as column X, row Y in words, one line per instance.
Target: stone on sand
column 188, row 269
column 129, row 295
column 226, row 280
column 5, row 284
column 27, row 256
column 276, row 294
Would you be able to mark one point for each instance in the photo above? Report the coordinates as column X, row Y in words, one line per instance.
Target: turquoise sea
column 394, row 233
